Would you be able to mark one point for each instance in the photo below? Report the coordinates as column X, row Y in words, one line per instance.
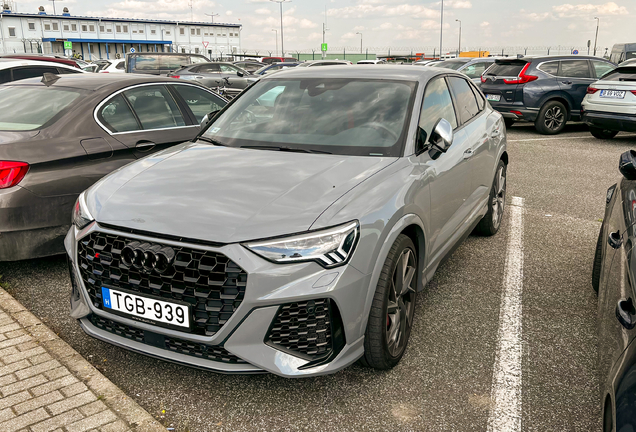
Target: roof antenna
column 49, row 79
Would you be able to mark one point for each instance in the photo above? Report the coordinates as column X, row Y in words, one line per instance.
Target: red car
column 270, row 60
column 47, row 58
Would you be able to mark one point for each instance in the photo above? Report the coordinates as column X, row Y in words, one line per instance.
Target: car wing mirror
column 627, row 165
column 208, row 117
column 441, row 138
column 240, row 74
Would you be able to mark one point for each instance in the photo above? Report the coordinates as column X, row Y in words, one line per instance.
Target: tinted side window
column 437, row 104
column 67, row 71
column 144, row 62
column 601, row 68
column 466, row 103
column 199, row 101
column 550, row 67
column 32, row 72
column 481, row 101
column 155, row 107
column 208, row 68
column 120, row 65
column 574, row 69
column 172, row 62
column 5, row 76
column 117, row 116
column 476, row 69
column 228, row 69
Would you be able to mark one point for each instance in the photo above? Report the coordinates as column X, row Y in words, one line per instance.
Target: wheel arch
column 559, row 98
column 504, row 157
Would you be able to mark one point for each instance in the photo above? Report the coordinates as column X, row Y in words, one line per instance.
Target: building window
column 125, row 29
column 91, row 27
column 31, row 26
column 47, row 27
column 118, row 29
column 181, row 30
column 74, row 27
column 168, row 32
column 101, row 28
column 55, row 26
column 183, row 50
column 11, row 31
column 84, row 27
column 153, row 31
column 65, row 27
column 141, row 31
column 196, row 50
column 192, row 31
column 109, row 29
column 198, row 32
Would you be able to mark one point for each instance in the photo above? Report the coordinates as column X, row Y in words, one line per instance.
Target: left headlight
column 81, row 216
column 329, row 247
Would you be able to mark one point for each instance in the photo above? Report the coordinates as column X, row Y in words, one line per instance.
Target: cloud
column 263, row 11
column 359, row 28
column 569, row 10
column 156, row 9
column 485, row 24
column 457, row 4
column 364, row 10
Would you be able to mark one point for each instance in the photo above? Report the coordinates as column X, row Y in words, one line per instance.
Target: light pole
column 274, row 30
column 598, row 21
column 282, row 40
column 459, row 49
column 360, row 41
column 212, row 15
column 54, row 13
column 441, row 30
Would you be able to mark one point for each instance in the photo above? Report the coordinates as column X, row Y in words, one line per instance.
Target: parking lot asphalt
column 444, row 382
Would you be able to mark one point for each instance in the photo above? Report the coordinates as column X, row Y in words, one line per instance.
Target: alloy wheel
column 499, row 198
column 554, row 118
column 401, row 302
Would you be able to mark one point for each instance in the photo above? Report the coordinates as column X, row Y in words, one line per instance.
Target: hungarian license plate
column 495, row 98
column 613, row 94
column 146, row 309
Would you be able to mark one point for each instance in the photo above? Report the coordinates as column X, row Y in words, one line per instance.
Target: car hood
column 227, row 195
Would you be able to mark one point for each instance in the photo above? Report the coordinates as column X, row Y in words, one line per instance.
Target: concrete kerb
column 115, row 399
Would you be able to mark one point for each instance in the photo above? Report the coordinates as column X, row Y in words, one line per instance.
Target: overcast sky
column 388, row 23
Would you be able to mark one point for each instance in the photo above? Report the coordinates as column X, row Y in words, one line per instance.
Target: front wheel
column 393, row 307
column 552, row 118
column 490, row 223
column 602, row 133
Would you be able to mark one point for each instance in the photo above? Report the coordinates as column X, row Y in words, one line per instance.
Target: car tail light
column 517, row 113
column 103, row 71
column 633, row 92
column 483, row 80
column 12, row 173
column 175, row 76
column 592, row 90
column 522, row 78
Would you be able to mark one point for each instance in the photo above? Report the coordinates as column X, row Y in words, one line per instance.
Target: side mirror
column 420, row 143
column 209, row 116
column 627, row 165
column 441, row 138
column 240, row 74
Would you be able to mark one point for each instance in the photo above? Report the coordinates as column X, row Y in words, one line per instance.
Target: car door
column 617, row 298
column 231, row 72
column 208, row 74
column 199, row 101
column 449, row 174
column 574, row 77
column 146, row 118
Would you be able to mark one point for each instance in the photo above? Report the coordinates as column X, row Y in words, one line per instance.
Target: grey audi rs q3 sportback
column 292, row 235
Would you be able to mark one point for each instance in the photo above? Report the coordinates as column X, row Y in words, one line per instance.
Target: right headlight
column 329, row 247
column 81, row 216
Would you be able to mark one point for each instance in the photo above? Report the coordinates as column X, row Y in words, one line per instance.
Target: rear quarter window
column 551, row 68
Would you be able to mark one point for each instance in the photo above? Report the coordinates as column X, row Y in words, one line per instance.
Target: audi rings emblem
column 147, row 257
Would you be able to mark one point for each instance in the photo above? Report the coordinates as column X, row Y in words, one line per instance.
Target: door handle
column 615, row 240
column 566, row 82
column 145, row 145
column 198, row 77
column 626, row 313
column 468, row 153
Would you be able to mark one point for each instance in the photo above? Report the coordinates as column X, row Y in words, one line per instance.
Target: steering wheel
column 380, row 128
column 249, row 116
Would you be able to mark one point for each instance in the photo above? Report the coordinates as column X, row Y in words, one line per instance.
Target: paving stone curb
column 37, row 364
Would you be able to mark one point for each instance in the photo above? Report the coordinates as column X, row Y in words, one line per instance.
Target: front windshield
column 630, row 55
column 328, row 115
column 455, row 65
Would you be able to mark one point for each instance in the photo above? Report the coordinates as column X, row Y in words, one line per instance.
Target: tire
column 490, row 223
column 552, row 118
column 602, row 133
column 387, row 334
column 598, row 262
column 509, row 122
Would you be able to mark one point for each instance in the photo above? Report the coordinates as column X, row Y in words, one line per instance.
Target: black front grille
column 209, row 281
column 207, row 352
column 304, row 329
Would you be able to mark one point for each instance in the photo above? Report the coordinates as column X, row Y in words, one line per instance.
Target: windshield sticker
column 215, row 129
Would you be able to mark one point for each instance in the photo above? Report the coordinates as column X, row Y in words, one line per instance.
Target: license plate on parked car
column 613, row 94
column 146, row 309
column 495, row 98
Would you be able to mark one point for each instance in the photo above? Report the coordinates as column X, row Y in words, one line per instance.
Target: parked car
column 546, row 90
column 373, row 62
column 613, row 278
column 471, row 67
column 270, row 60
column 62, row 134
column 17, row 69
column 610, row 104
column 86, row 66
column 254, row 248
column 160, row 63
column 45, row 58
column 425, row 62
column 274, row 67
column 230, row 77
column 622, row 52
column 313, row 63
column 249, row 66
column 112, row 66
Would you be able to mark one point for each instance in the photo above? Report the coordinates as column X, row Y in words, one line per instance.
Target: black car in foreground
column 545, row 90
column 60, row 134
column 613, row 277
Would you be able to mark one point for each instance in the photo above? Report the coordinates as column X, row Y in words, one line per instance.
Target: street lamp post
column 212, row 15
column 598, row 21
column 54, row 13
column 441, row 30
column 360, row 41
column 274, row 30
column 282, row 40
column 459, row 49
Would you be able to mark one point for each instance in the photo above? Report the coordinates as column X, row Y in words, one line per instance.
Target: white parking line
column 566, row 137
column 505, row 411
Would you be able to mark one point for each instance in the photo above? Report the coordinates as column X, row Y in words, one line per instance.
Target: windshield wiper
column 211, row 141
column 287, row 149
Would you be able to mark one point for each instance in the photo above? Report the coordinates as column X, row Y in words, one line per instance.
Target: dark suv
column 545, row 90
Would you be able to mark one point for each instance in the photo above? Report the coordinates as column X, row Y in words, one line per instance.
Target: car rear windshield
column 162, row 62
column 322, row 115
column 455, row 65
column 37, row 106
column 509, row 69
column 621, row 74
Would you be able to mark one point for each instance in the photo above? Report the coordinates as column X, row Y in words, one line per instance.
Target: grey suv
column 293, row 235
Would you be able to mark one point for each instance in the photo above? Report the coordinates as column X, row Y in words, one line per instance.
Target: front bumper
column 246, row 334
column 610, row 121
